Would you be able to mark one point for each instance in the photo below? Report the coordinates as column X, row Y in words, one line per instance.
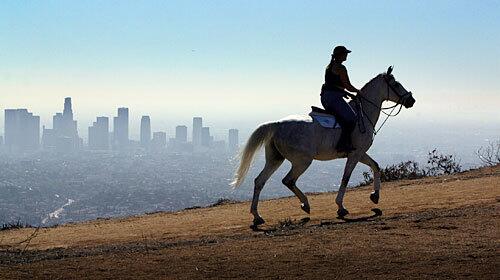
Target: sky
column 240, row 63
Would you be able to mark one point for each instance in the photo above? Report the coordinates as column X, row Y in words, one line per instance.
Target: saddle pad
column 325, row 120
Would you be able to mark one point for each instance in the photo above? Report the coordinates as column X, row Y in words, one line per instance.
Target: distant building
column 219, row 145
column 57, row 122
column 206, row 139
column 49, row 138
column 69, row 126
column 22, row 130
column 120, row 129
column 181, row 133
column 197, row 127
column 99, row 134
column 233, row 144
column 1, row 140
column 145, row 131
column 133, row 144
column 159, row 140
column 63, row 135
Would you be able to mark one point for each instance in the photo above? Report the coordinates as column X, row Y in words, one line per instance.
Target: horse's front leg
column 375, row 195
column 352, row 160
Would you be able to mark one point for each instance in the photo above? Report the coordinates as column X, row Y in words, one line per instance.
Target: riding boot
column 344, row 144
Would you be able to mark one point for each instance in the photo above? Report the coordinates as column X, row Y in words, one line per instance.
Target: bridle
column 400, row 101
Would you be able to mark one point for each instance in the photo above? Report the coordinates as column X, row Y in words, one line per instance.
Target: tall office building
column 57, row 122
column 145, row 131
column 205, row 137
column 181, row 133
column 159, row 140
column 99, row 134
column 233, row 140
column 64, row 133
column 120, row 129
column 69, row 128
column 197, row 125
column 22, row 130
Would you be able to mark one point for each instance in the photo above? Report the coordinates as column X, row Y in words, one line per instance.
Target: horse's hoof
column 374, row 197
column 258, row 221
column 342, row 212
column 306, row 208
column 377, row 211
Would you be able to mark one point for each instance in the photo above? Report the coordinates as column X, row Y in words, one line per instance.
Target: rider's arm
column 345, row 80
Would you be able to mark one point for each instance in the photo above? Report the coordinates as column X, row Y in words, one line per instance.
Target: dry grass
column 444, row 227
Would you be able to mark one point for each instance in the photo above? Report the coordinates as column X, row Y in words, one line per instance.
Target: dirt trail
column 444, row 227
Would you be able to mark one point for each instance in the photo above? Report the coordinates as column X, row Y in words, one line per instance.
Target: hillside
column 442, row 227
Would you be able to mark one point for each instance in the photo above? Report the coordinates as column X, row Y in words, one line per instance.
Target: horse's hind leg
column 273, row 160
column 298, row 167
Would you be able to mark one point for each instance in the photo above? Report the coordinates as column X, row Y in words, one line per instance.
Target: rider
column 333, row 92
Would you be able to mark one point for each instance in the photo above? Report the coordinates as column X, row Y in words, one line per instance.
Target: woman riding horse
column 333, row 92
column 302, row 140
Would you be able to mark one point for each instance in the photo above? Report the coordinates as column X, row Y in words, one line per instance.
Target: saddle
column 321, row 110
column 323, row 117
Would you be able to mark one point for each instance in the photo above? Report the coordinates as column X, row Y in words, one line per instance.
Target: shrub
column 438, row 164
column 490, row 155
column 442, row 164
column 403, row 170
column 14, row 225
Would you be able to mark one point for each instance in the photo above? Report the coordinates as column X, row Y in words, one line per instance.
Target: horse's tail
column 258, row 138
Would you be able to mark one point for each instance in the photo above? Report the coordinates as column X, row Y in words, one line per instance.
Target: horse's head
column 395, row 91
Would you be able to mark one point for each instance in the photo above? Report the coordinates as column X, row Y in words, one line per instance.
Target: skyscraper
column 233, row 140
column 99, row 134
column 22, row 130
column 181, row 133
column 57, row 122
column 64, row 133
column 159, row 140
column 68, row 126
column 205, row 137
column 197, row 125
column 145, row 131
column 120, row 129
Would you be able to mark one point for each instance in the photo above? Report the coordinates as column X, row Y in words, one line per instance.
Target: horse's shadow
column 299, row 224
column 376, row 213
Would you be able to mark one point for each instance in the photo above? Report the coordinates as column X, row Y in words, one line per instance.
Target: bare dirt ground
column 434, row 228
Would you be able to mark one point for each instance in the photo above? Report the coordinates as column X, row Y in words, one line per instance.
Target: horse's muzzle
column 409, row 101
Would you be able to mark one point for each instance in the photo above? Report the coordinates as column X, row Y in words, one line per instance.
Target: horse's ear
column 389, row 70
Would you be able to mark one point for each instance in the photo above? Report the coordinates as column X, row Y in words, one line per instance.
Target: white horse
column 301, row 141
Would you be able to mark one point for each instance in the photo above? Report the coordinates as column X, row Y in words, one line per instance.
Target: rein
column 359, row 98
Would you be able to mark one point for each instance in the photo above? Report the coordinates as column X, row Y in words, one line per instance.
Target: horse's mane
column 371, row 82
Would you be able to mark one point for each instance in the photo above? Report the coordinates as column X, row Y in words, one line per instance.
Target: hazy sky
column 238, row 63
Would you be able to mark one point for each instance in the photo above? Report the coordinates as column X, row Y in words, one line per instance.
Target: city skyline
column 64, row 135
column 160, row 124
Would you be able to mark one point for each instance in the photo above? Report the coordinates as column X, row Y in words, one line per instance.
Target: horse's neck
column 374, row 95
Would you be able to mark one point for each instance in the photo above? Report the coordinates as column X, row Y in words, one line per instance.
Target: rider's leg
column 333, row 102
